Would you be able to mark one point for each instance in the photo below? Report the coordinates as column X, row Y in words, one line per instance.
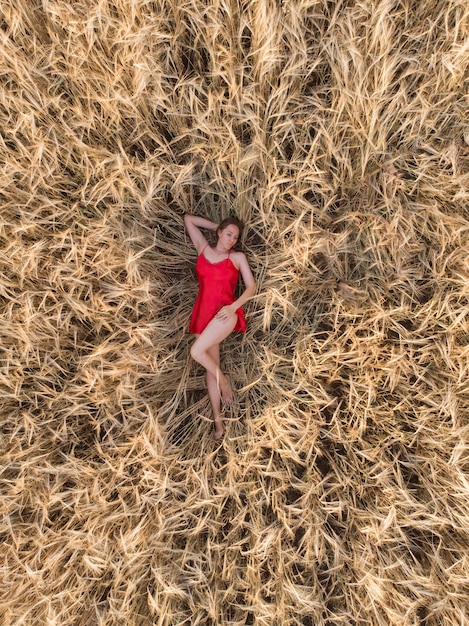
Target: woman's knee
column 195, row 352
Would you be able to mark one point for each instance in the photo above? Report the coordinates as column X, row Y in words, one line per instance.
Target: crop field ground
column 338, row 131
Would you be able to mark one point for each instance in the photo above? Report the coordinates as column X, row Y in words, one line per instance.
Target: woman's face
column 228, row 236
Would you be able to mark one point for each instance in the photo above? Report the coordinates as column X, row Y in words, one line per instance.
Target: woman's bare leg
column 214, row 393
column 213, row 335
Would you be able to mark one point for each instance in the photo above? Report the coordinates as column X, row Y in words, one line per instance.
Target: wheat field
column 338, row 131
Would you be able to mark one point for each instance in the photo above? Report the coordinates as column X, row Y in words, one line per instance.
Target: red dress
column 217, row 283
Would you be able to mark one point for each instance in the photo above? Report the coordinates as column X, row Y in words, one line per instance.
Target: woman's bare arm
column 248, row 279
column 193, row 224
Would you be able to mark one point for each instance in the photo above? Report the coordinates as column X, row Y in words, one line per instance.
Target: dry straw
column 338, row 132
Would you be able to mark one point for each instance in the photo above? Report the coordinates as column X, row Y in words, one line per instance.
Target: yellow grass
column 339, row 132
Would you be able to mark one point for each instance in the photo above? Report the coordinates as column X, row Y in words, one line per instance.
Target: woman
column 217, row 312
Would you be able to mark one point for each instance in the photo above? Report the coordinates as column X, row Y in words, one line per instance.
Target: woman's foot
column 218, row 430
column 226, row 392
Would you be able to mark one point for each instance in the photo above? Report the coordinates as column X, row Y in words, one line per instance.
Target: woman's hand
column 225, row 313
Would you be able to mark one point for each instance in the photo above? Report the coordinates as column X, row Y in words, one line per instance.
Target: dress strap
column 203, row 249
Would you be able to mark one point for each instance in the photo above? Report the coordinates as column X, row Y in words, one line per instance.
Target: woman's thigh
column 215, row 332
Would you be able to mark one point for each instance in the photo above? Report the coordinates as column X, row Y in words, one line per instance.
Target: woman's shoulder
column 238, row 258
